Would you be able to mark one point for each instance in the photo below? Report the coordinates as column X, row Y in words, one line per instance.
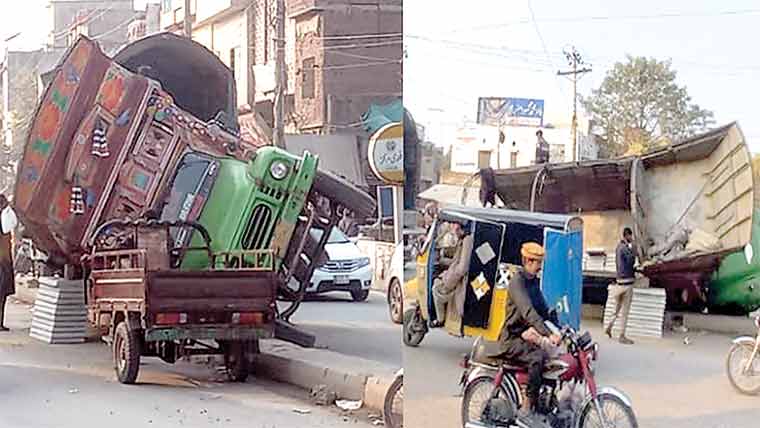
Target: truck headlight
column 279, row 170
column 363, row 262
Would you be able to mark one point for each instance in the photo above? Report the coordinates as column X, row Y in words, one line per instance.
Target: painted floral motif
column 47, row 124
column 48, row 121
column 112, row 91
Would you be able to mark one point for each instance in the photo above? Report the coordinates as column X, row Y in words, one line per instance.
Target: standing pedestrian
column 622, row 291
column 542, row 148
column 8, row 222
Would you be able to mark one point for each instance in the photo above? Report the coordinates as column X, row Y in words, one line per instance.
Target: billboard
column 510, row 111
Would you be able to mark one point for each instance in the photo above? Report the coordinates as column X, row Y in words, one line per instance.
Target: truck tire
column 126, row 353
column 344, row 193
column 236, row 361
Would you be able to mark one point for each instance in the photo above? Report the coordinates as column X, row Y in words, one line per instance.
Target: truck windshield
column 189, row 191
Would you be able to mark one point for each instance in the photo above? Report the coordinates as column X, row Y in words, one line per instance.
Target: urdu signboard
column 498, row 111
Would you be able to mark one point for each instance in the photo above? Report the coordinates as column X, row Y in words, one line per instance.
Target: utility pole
column 188, row 26
column 280, row 78
column 574, row 60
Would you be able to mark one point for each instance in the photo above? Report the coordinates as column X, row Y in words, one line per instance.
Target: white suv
column 346, row 268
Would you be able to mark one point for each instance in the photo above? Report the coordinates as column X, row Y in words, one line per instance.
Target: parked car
column 403, row 257
column 346, row 268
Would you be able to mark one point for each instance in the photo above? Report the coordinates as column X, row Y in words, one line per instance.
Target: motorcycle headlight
column 279, row 170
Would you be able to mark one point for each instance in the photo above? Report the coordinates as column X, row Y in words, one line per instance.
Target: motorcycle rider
column 524, row 328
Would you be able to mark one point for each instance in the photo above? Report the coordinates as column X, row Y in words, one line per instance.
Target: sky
column 455, row 54
column 31, row 19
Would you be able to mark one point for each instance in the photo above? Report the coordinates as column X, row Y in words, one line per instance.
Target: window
column 166, row 5
column 307, row 84
column 484, row 159
column 188, row 193
column 513, row 160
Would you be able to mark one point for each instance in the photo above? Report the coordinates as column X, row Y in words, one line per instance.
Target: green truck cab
column 244, row 206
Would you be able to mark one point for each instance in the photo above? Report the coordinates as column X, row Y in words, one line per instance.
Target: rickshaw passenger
column 524, row 327
column 446, row 286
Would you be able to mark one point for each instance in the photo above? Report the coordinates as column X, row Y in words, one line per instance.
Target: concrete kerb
column 350, row 378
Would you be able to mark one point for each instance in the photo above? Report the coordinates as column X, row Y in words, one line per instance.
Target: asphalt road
column 61, row 386
column 361, row 329
column 672, row 385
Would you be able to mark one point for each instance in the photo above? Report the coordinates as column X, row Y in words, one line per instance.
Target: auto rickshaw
column 498, row 236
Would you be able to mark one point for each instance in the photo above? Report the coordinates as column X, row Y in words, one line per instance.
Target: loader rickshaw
column 498, row 235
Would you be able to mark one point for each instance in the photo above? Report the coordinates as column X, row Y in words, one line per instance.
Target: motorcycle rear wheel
column 735, row 362
column 615, row 410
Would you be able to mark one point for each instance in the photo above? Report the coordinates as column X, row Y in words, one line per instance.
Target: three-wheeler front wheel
column 126, row 353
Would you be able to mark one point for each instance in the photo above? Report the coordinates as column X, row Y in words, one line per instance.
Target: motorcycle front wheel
column 616, row 413
column 738, row 356
column 476, row 395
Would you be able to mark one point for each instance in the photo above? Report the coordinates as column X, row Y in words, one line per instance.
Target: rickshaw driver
column 451, row 281
column 524, row 334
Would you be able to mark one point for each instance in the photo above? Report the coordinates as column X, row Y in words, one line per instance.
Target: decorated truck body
column 135, row 179
column 690, row 205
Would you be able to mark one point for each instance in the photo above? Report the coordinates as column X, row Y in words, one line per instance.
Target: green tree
column 639, row 106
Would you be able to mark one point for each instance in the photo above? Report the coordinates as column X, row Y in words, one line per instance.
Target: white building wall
column 471, row 140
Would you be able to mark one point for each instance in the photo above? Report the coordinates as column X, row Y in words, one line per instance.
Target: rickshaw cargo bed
column 210, row 291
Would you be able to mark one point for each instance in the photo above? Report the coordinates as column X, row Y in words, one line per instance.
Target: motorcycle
column 393, row 408
column 743, row 363
column 494, row 390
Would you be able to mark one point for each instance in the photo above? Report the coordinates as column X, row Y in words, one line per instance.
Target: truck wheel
column 343, row 192
column 359, row 295
column 235, row 360
column 126, row 353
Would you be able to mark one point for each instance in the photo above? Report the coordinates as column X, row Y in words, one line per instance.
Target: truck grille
column 341, row 266
column 257, row 233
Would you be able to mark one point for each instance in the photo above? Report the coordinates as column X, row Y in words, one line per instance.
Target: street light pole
column 187, row 25
column 574, row 60
column 279, row 71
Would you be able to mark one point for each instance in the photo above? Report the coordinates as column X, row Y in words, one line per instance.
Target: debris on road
column 349, row 404
column 301, row 411
column 322, row 396
column 73, row 391
column 686, row 340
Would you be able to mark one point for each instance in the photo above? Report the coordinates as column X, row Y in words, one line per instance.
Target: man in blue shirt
column 622, row 291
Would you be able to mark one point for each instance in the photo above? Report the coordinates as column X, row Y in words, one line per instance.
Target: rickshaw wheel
column 126, row 353
column 414, row 327
column 235, row 361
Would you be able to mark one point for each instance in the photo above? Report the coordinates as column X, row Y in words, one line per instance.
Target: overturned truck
column 185, row 236
column 690, row 206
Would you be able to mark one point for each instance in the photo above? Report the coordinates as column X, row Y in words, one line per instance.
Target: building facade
column 481, row 146
column 348, row 56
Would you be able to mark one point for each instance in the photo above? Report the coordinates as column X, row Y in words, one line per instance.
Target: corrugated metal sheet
column 646, row 316
column 60, row 315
